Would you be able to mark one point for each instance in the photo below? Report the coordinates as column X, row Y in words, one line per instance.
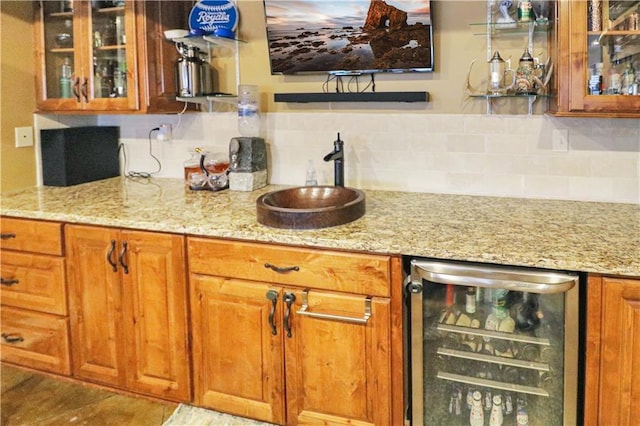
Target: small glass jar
column 497, row 72
column 192, row 165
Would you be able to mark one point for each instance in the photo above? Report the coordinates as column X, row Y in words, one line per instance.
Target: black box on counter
column 75, row 155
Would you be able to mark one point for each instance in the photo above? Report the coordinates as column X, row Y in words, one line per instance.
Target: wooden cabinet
column 107, row 56
column 589, row 46
column 35, row 325
column 128, row 310
column 612, row 395
column 294, row 335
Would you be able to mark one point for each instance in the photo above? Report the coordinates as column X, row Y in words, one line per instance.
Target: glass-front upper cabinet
column 86, row 55
column 602, row 38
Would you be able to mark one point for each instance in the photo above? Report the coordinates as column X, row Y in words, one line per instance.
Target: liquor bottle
column 65, row 79
column 451, row 311
column 468, row 317
column 496, row 418
column 527, row 312
column 476, row 416
column 522, row 418
column 628, row 79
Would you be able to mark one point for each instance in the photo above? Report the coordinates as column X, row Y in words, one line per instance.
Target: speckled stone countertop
column 568, row 235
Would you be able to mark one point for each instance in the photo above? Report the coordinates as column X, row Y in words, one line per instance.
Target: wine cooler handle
column 289, row 298
column 7, row 236
column 272, row 295
column 10, row 282
column 304, row 310
column 114, row 267
column 12, row 337
column 125, row 267
column 541, row 282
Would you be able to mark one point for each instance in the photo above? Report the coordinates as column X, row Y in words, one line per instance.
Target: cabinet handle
column 273, row 296
column 304, row 310
column 289, row 298
column 12, row 337
column 281, row 270
column 9, row 283
column 76, row 89
column 7, row 236
column 114, row 267
column 121, row 257
column 84, row 89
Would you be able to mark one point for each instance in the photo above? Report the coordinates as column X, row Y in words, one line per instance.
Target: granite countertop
column 566, row 235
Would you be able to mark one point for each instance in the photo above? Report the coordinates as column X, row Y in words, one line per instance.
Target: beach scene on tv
column 320, row 36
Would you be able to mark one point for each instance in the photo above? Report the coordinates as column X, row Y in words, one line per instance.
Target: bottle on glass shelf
column 628, row 79
column 65, row 78
column 615, row 81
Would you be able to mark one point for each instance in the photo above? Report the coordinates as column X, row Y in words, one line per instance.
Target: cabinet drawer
column 35, row 340
column 33, row 281
column 314, row 268
column 31, row 236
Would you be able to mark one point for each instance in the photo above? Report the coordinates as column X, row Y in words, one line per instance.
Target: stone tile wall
column 498, row 155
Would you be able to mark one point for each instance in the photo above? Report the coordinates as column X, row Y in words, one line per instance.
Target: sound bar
column 352, row 97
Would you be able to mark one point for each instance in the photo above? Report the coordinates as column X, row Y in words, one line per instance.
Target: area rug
column 189, row 415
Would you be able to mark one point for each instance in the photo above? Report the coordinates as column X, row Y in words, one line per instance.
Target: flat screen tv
column 349, row 37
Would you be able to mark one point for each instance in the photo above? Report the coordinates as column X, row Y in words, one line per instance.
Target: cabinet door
column 596, row 50
column 238, row 360
column 110, row 78
column 95, row 304
column 58, row 42
column 617, row 387
column 86, row 56
column 158, row 57
column 155, row 313
column 338, row 364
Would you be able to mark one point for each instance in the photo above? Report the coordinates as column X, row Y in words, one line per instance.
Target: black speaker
column 76, row 155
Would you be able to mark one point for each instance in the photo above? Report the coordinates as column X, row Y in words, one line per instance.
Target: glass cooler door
column 492, row 345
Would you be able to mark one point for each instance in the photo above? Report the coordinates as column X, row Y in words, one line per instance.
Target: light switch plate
column 24, row 136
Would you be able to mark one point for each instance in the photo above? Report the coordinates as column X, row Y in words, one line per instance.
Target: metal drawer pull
column 305, row 306
column 7, row 236
column 272, row 295
column 289, row 298
column 9, row 283
column 280, row 269
column 12, row 337
column 114, row 267
column 121, row 257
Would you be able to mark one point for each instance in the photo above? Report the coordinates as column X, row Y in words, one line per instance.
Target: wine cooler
column 493, row 345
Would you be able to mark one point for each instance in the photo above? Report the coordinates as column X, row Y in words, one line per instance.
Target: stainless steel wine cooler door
column 493, row 345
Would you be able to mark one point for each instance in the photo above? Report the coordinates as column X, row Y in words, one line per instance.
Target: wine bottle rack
column 494, row 384
column 493, row 334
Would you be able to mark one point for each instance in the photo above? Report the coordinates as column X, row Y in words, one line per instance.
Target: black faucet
column 337, row 156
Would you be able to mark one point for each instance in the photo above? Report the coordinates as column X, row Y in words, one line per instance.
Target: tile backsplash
column 445, row 153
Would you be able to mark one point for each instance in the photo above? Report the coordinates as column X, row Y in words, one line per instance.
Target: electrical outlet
column 560, row 140
column 165, row 133
column 24, row 136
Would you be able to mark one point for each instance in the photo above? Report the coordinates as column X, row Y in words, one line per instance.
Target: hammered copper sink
column 310, row 207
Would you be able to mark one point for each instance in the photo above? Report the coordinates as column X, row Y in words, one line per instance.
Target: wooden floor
column 33, row 399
